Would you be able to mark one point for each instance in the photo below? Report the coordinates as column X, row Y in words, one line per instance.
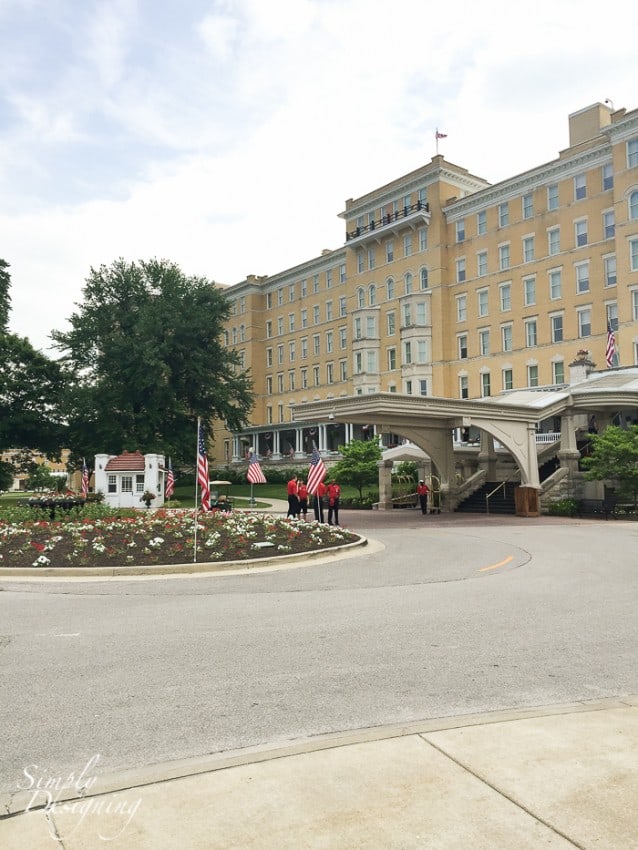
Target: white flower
column 41, row 561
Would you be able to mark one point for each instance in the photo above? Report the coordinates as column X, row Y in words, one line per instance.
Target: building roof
column 126, row 462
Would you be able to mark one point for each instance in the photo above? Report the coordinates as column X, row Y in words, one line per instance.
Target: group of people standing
column 298, row 497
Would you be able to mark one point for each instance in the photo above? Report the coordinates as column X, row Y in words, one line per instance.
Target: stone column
column 568, row 454
column 385, row 485
column 487, row 456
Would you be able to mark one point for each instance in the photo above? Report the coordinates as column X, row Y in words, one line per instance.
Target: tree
column 144, row 359
column 615, row 457
column 41, row 478
column 30, row 388
column 359, row 464
column 6, row 475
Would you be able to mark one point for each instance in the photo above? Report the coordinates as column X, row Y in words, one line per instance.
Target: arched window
column 361, row 297
column 372, row 295
column 242, row 333
column 390, row 288
column 423, row 276
column 408, row 282
column 633, row 205
column 234, row 336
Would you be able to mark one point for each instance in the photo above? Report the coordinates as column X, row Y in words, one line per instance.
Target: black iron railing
column 388, row 218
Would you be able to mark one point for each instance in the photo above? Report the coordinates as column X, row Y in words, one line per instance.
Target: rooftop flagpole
column 196, row 494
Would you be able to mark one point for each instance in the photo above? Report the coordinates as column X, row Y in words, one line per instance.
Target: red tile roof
column 126, row 462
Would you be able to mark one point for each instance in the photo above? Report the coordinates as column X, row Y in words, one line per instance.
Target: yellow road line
column 495, row 566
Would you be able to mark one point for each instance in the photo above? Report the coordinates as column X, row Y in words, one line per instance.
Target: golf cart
column 220, row 499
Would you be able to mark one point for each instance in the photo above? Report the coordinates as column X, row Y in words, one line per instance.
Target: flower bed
column 160, row 537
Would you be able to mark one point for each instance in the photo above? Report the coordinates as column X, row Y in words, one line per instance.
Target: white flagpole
column 436, row 138
column 196, row 482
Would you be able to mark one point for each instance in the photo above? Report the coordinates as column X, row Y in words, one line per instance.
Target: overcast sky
column 225, row 135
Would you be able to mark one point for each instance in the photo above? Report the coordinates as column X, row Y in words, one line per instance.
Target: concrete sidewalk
column 552, row 777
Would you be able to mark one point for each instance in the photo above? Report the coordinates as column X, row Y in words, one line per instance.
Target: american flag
column 440, row 135
column 316, row 471
column 170, row 481
column 85, row 479
column 610, row 350
column 255, row 473
column 202, row 469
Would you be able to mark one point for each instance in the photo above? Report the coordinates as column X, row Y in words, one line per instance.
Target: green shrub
column 563, row 507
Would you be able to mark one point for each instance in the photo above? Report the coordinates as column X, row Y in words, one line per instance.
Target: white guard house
column 125, row 478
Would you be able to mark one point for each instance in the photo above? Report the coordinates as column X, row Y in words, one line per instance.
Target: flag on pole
column 85, row 479
column 438, row 135
column 202, row 469
column 610, row 350
column 170, row 481
column 316, row 471
column 255, row 473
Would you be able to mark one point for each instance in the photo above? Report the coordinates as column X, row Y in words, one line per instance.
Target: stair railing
column 488, row 496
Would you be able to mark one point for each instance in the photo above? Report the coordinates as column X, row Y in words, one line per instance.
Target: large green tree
column 614, row 458
column 358, row 466
column 30, row 387
column 145, row 358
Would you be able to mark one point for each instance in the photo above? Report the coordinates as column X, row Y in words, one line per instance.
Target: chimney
column 587, row 123
column 580, row 368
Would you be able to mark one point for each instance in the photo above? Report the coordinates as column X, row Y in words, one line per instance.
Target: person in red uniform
column 422, row 491
column 317, row 501
column 293, row 498
column 334, row 494
column 302, row 493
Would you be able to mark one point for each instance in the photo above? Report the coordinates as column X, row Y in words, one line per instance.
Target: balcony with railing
column 390, row 223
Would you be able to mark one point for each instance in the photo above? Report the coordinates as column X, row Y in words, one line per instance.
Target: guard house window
column 532, row 376
column 112, row 483
column 505, row 296
column 460, row 230
column 553, row 241
column 582, row 277
column 609, row 269
column 580, row 229
column 608, row 176
column 127, row 484
column 506, row 337
column 528, row 205
column 481, row 222
column 464, row 390
column 460, row 270
column 481, row 263
column 555, row 284
column 461, row 308
column 503, row 214
column 609, row 224
column 632, row 153
column 528, row 249
column 508, row 379
column 504, row 257
column 531, row 337
column 580, row 187
column 584, row 322
column 556, row 323
column 558, row 372
column 552, row 196
column 486, row 389
column 462, row 343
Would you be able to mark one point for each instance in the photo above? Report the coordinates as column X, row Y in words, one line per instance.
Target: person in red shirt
column 422, row 491
column 302, row 493
column 334, row 494
column 317, row 501
column 293, row 498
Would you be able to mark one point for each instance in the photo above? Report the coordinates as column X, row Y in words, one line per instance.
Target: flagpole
column 196, row 481
column 252, row 498
column 436, row 140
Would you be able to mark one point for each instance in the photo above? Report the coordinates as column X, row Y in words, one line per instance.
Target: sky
column 226, row 135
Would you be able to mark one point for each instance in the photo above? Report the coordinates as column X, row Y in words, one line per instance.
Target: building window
column 528, row 249
column 460, row 230
column 506, row 337
column 504, row 257
column 421, row 315
column 529, row 291
column 269, row 414
column 315, row 315
column 460, row 270
column 407, row 315
column 407, row 245
column 371, row 327
column 391, row 323
column 343, row 338
column 558, row 372
column 372, row 295
column 304, row 348
column 553, row 241
column 556, row 323
column 528, row 205
column 423, row 387
column 342, row 306
column 555, row 284
column 361, row 297
column 304, row 288
column 291, row 292
column 612, row 315
column 342, row 273
column 328, row 311
column 483, row 306
column 582, row 277
column 371, row 258
column 280, row 354
column 291, row 351
column 423, row 278
column 280, row 412
column 423, row 238
column 421, row 352
column 503, row 214
column 634, row 305
column 389, row 286
column 608, row 176
column 508, row 379
column 407, row 281
column 407, row 352
column 304, row 318
column 633, row 255
column 552, row 196
column 268, row 300
column 633, row 206
column 280, row 325
column 481, row 222
column 269, row 357
column 531, row 338
column 304, row 379
column 609, row 224
column 280, row 383
column 632, row 153
column 532, row 376
column 462, row 344
column 392, row 359
column 291, row 322
column 360, row 262
column 609, row 268
column 316, row 344
column 234, row 336
column 389, row 251
column 505, row 296
column 329, row 342
column 291, row 382
column 485, row 385
column 481, row 263
column 315, row 284
column 580, row 231
column 580, row 187
column 408, row 387
column 358, row 334
column 329, row 279
column 584, row 322
column 269, row 385
column 315, row 376
column 484, row 342
column 112, row 483
column 343, row 370
column 461, row 308
column 464, row 390
column 280, row 297
column 329, row 373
